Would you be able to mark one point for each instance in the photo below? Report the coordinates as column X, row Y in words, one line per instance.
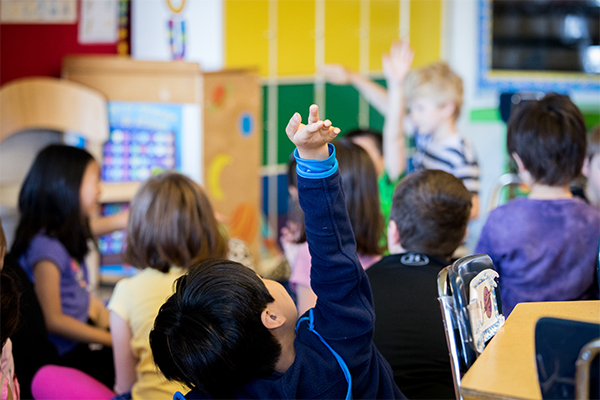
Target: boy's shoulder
column 404, row 262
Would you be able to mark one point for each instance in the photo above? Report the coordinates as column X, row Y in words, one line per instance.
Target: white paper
column 38, row 11
column 99, row 21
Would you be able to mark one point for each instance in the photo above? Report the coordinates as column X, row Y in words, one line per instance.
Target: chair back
column 587, row 372
column 503, row 182
column 558, row 343
column 471, row 310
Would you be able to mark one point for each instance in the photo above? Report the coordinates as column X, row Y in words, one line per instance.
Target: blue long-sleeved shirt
column 343, row 316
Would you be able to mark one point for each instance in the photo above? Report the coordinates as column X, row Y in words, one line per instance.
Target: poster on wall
column 99, row 21
column 145, row 139
column 167, row 30
column 38, row 11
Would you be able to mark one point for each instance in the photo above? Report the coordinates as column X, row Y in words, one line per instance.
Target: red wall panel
column 38, row 50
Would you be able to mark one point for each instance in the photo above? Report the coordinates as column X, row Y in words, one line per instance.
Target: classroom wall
column 38, row 49
column 289, row 40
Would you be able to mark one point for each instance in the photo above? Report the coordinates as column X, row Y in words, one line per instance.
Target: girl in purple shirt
column 544, row 247
column 58, row 196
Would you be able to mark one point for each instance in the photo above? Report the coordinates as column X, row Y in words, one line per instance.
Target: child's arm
column 375, row 94
column 124, row 359
column 47, row 288
column 98, row 313
column 104, row 225
column 344, row 314
column 396, row 66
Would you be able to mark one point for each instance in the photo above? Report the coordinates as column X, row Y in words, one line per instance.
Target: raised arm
column 344, row 313
column 375, row 94
column 396, row 66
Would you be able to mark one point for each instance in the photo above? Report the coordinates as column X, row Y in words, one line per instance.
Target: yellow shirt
column 137, row 300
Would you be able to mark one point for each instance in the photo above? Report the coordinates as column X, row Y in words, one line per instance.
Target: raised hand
column 336, row 74
column 397, row 63
column 311, row 139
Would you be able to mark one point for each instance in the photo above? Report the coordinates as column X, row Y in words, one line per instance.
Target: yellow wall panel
column 295, row 40
column 425, row 30
column 384, row 27
column 246, row 43
column 342, row 21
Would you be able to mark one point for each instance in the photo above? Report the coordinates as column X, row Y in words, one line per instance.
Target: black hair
column 49, row 200
column 549, row 136
column 209, row 334
column 9, row 314
column 376, row 136
column 431, row 209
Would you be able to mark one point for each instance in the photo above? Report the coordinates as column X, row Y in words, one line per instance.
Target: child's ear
column 393, row 238
column 271, row 319
column 448, row 109
column 585, row 170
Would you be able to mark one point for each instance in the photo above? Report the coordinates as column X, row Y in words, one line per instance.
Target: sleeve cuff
column 313, row 169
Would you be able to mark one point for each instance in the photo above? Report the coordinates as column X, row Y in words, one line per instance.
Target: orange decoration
column 243, row 223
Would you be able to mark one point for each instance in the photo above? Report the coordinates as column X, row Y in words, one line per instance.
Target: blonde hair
column 171, row 222
column 437, row 82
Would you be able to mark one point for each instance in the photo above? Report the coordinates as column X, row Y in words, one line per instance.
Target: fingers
column 313, row 114
column 293, row 125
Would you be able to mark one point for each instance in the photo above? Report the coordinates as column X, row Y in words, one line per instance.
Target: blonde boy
column 433, row 95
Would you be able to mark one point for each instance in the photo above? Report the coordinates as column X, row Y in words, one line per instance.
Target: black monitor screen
column 546, row 35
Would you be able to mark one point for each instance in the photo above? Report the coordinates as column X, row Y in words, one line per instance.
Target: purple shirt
column 543, row 250
column 74, row 297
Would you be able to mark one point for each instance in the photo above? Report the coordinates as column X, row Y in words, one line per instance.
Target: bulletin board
column 216, row 114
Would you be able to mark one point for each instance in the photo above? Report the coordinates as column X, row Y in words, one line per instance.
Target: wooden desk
column 506, row 369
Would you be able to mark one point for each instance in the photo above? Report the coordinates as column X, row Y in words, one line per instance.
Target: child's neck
column 445, row 131
column 288, row 351
column 545, row 192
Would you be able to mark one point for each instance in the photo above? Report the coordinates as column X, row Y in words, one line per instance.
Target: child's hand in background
column 336, row 74
column 311, row 139
column 397, row 63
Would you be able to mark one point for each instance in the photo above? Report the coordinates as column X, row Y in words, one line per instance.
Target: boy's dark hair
column 376, row 136
column 171, row 222
column 431, row 209
column 49, row 200
column 593, row 143
column 209, row 334
column 548, row 135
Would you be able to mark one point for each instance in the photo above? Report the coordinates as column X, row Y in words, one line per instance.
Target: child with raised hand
column 544, row 247
column 227, row 333
column 359, row 182
column 433, row 95
column 59, row 195
column 171, row 227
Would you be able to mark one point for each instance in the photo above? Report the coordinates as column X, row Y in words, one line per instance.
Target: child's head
column 359, row 181
column 430, row 212
column 218, row 330
column 59, row 194
column 591, row 167
column 547, row 140
column 434, row 95
column 171, row 222
column 372, row 142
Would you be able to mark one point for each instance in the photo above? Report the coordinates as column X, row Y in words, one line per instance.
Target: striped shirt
column 453, row 155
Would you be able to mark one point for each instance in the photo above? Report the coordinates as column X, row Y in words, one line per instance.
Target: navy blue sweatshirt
column 343, row 317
